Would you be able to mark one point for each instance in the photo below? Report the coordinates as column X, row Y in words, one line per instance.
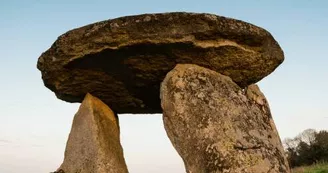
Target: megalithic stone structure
column 94, row 145
column 216, row 126
column 215, row 116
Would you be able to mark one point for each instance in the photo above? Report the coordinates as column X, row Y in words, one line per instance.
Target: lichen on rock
column 94, row 144
column 216, row 127
column 123, row 61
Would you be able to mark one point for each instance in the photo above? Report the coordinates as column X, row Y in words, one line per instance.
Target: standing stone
column 216, row 126
column 94, row 145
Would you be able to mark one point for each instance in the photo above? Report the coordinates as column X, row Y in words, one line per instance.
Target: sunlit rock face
column 216, row 126
column 123, row 61
column 94, row 144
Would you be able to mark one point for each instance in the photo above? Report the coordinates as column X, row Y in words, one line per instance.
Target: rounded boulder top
column 122, row 61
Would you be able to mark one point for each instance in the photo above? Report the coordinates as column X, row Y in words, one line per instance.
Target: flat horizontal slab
column 123, row 61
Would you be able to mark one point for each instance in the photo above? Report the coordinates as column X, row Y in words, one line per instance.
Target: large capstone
column 216, row 126
column 94, row 144
column 122, row 61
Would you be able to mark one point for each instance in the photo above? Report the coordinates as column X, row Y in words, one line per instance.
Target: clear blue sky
column 34, row 125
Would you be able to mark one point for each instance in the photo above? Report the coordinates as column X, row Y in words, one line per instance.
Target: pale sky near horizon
column 34, row 124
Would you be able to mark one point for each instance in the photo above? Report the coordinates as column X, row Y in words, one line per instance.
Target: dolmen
column 199, row 70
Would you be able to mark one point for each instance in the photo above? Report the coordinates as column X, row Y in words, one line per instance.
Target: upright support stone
column 94, row 145
column 216, row 126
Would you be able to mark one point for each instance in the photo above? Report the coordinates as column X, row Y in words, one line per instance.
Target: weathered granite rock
column 123, row 61
column 216, row 126
column 94, row 145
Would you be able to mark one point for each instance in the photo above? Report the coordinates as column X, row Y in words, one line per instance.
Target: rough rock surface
column 94, row 145
column 123, row 61
column 216, row 126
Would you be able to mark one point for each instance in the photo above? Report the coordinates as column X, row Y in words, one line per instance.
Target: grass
column 317, row 168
